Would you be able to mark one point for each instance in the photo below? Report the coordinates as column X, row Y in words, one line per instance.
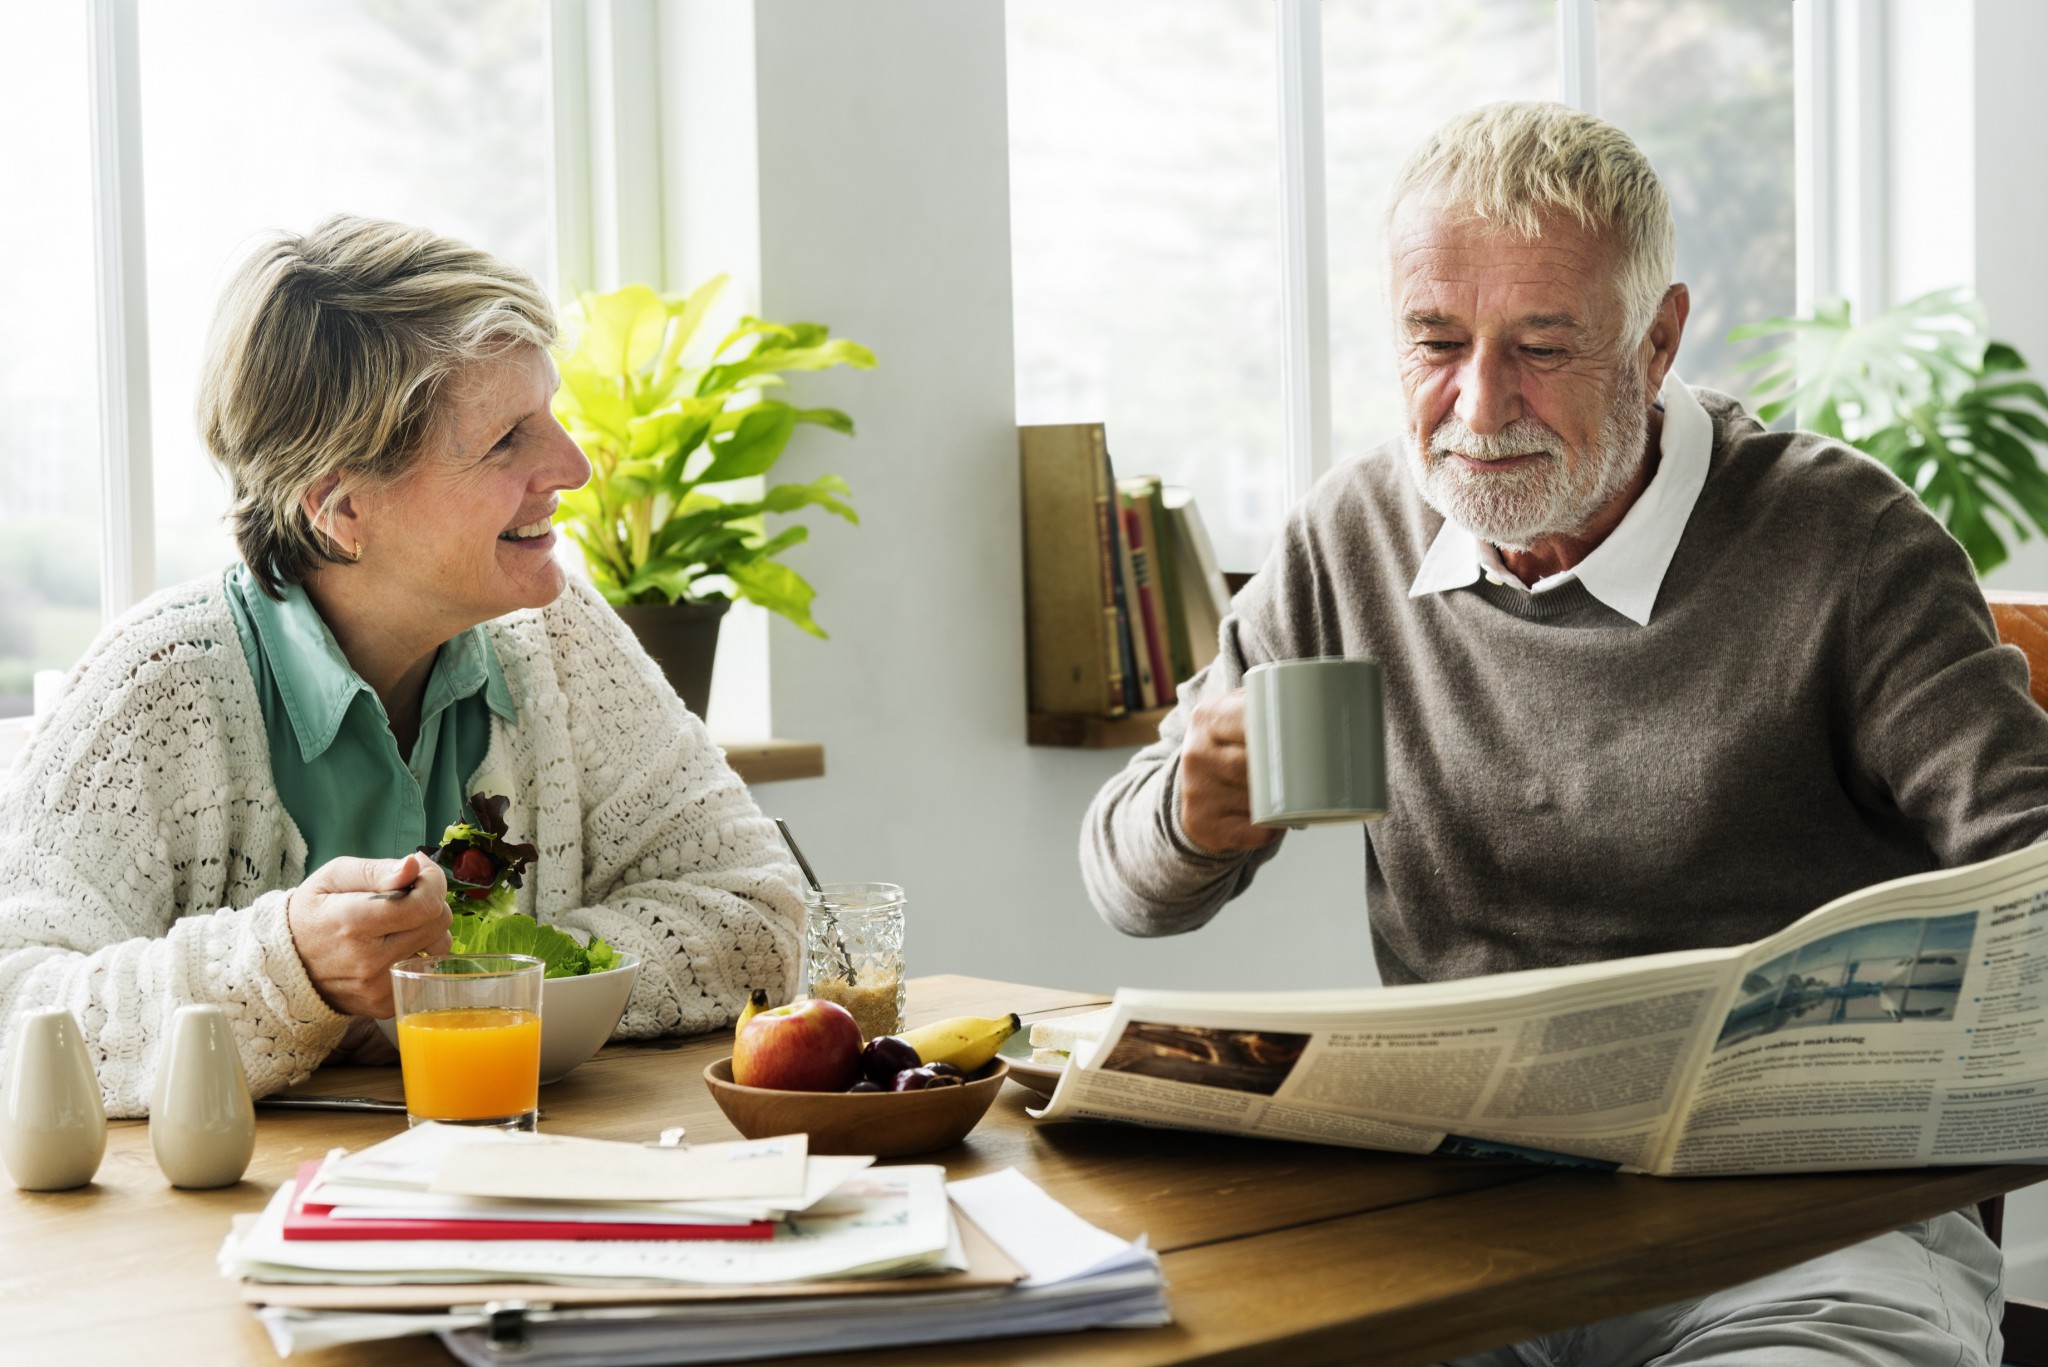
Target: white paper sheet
column 1050, row 1242
column 886, row 1220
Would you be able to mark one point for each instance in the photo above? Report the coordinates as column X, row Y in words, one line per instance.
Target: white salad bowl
column 577, row 1015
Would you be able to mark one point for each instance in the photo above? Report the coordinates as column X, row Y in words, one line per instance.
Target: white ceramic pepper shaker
column 53, row 1125
column 202, row 1123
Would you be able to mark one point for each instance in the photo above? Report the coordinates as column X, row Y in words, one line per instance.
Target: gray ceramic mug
column 1315, row 736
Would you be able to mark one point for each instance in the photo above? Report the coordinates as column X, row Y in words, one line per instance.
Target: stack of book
column 543, row 1248
column 1123, row 597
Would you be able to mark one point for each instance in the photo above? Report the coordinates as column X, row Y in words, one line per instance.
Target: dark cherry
column 946, row 1070
column 924, row 1078
column 885, row 1057
column 863, row 1086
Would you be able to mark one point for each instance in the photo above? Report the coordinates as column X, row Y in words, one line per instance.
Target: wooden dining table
column 1272, row 1251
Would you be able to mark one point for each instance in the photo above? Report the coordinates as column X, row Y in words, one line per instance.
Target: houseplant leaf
column 623, row 330
column 779, row 589
column 663, row 421
column 1924, row 391
column 752, row 445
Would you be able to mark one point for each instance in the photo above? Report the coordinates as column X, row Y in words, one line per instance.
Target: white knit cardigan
column 145, row 855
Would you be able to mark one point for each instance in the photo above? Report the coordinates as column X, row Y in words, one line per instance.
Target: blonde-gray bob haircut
column 334, row 353
column 1511, row 164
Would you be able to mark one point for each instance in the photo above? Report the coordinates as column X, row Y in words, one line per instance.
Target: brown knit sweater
column 1817, row 703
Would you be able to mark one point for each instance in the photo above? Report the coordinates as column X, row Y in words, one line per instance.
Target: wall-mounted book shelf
column 1122, row 596
column 1075, row 731
column 773, row 761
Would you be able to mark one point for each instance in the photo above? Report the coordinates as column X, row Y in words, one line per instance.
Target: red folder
column 313, row 1220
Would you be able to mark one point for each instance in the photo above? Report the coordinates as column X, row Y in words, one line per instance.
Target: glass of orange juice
column 469, row 1038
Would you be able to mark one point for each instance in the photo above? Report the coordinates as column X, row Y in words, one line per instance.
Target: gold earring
column 355, row 556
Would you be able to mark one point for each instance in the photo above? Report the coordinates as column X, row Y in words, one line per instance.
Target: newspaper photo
column 1898, row 1026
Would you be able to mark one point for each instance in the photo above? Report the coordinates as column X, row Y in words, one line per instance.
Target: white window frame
column 608, row 200
column 121, row 286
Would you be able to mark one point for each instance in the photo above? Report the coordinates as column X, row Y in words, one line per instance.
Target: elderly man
column 1655, row 677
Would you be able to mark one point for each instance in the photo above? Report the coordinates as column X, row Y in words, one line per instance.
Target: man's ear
column 1660, row 343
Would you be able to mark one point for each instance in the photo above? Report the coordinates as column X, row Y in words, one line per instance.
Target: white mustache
column 1521, row 437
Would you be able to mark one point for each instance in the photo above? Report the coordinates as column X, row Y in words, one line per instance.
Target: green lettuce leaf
column 601, row 957
column 518, row 933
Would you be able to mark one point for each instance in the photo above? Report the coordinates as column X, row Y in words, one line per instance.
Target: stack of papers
column 450, row 1183
column 853, row 1255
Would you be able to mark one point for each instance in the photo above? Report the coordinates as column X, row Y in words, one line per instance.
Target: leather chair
column 2022, row 620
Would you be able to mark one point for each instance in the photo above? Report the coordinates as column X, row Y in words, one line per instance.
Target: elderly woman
column 238, row 765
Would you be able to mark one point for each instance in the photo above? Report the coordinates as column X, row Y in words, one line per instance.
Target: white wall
column 2011, row 184
column 885, row 213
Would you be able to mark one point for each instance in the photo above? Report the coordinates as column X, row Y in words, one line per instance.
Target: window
column 1147, row 233
column 1145, row 226
column 49, row 444
column 427, row 114
column 1392, row 72
column 1705, row 86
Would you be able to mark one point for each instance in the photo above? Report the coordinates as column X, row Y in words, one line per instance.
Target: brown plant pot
column 683, row 639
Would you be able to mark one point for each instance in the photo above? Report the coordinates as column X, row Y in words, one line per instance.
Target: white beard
column 1515, row 508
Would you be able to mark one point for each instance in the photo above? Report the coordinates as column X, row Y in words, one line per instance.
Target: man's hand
column 1215, row 782
column 348, row 939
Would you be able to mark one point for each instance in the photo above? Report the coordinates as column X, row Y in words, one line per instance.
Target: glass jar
column 853, row 952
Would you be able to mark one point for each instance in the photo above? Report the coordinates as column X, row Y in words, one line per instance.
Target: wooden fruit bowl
column 885, row 1124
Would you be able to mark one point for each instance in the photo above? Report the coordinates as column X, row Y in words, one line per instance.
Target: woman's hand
column 348, row 939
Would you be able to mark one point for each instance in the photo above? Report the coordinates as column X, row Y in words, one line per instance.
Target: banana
column 966, row 1042
column 756, row 1003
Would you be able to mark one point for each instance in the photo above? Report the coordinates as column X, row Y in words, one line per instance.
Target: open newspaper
column 1899, row 1026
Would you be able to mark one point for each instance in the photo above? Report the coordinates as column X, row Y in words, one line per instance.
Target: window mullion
column 127, row 504
column 1865, row 155
column 1578, row 30
column 1304, row 249
column 568, row 63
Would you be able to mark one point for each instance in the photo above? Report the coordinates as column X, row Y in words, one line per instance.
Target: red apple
column 806, row 1046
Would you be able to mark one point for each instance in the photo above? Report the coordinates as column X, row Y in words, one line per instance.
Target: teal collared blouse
column 332, row 754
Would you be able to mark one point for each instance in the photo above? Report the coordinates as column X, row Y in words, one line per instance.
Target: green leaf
column 826, row 417
column 822, row 492
column 622, row 330
column 755, row 443
column 779, row 589
column 632, row 479
column 600, row 957
column 591, row 399
column 669, row 576
column 667, row 433
column 1922, row 389
column 823, row 357
column 521, row 934
column 686, row 314
column 1852, row 377
column 780, row 542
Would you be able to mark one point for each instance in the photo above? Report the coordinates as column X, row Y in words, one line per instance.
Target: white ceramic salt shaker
column 53, row 1125
column 202, row 1123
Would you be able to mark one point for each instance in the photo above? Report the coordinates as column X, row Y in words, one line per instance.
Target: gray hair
column 333, row 353
column 1510, row 163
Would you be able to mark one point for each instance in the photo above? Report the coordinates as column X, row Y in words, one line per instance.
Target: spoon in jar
column 831, row 912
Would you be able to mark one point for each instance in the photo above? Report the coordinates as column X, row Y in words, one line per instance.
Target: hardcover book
column 1074, row 654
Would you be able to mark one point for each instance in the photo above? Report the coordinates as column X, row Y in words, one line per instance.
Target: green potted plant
column 669, row 534
column 1923, row 389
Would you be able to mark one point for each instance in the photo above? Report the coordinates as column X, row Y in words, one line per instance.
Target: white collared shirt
column 1625, row 570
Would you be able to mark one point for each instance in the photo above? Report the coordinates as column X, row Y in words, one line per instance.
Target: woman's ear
column 332, row 513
